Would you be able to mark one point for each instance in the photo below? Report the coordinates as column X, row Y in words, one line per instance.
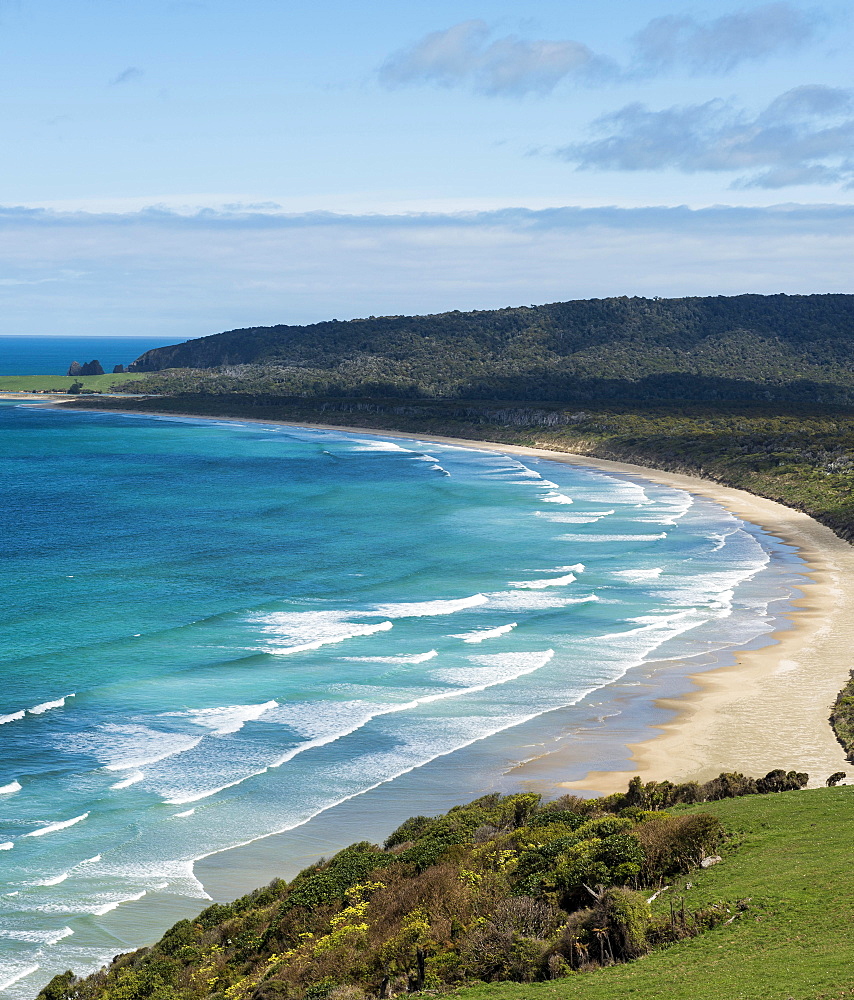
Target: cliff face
column 616, row 334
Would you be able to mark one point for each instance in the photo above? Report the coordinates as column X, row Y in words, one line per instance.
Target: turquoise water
column 213, row 631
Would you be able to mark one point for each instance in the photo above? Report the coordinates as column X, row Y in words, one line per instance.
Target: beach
column 747, row 710
column 770, row 707
column 767, row 708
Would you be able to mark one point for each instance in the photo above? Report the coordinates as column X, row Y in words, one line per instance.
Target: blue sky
column 184, row 167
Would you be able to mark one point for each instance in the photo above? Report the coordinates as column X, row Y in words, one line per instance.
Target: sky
column 179, row 167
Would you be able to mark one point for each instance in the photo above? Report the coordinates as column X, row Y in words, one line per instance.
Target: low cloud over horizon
column 184, row 276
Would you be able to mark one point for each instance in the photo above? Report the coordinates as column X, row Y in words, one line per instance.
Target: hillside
column 746, row 347
column 567, row 894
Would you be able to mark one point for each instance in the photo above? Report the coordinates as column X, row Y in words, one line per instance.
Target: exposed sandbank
column 770, row 707
column 39, row 397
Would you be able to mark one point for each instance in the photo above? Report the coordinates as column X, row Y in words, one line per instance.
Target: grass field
column 791, row 861
column 61, row 383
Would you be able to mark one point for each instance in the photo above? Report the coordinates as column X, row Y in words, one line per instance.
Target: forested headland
column 795, row 348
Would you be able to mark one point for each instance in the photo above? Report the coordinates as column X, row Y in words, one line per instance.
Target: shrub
column 627, row 916
column 674, row 844
column 410, row 829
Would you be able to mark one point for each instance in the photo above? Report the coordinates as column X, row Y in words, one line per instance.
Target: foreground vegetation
column 801, row 456
column 566, row 893
column 62, row 383
column 789, row 861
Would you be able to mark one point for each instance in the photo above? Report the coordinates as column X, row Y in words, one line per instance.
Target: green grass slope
column 61, row 383
column 792, row 859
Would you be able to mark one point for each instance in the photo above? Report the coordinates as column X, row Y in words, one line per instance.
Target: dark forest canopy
column 746, row 347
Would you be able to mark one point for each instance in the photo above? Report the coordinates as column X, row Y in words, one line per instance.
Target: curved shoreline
column 770, row 707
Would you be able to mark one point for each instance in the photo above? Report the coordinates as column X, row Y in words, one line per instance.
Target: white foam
column 556, row 498
column 498, row 668
column 132, row 779
column 331, row 722
column 54, row 827
column 99, row 911
column 609, row 489
column 6, row 846
column 481, row 634
column 46, row 706
column 523, row 470
column 28, row 971
column 13, row 717
column 37, row 937
column 186, row 812
column 533, row 600
column 13, row 786
column 224, row 720
column 129, row 746
column 423, row 609
column 415, row 658
column 370, row 445
column 611, row 538
column 639, row 575
column 90, row 861
column 654, row 623
column 672, row 512
column 720, row 539
column 351, row 632
column 557, row 581
column 56, row 880
column 588, row 518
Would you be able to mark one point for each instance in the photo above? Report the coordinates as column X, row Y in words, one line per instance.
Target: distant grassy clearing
column 61, row 383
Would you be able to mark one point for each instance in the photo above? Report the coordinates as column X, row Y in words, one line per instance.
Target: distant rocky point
column 89, row 368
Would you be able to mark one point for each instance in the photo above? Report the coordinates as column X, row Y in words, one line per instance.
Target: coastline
column 748, row 715
column 760, row 708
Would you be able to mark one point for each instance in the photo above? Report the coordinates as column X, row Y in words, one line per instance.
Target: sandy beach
column 747, row 710
column 769, row 708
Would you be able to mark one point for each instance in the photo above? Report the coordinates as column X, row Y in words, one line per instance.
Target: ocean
column 214, row 631
column 53, row 355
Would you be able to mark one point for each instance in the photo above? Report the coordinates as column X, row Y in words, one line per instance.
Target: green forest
column 740, row 348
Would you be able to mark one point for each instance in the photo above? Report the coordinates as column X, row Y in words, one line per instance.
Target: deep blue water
column 210, row 632
column 53, row 355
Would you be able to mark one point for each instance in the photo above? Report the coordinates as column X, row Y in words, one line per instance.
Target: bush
column 627, row 916
column 673, row 844
column 410, row 829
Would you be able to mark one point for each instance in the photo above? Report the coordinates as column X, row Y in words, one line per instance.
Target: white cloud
column 805, row 136
column 721, row 44
column 464, row 56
